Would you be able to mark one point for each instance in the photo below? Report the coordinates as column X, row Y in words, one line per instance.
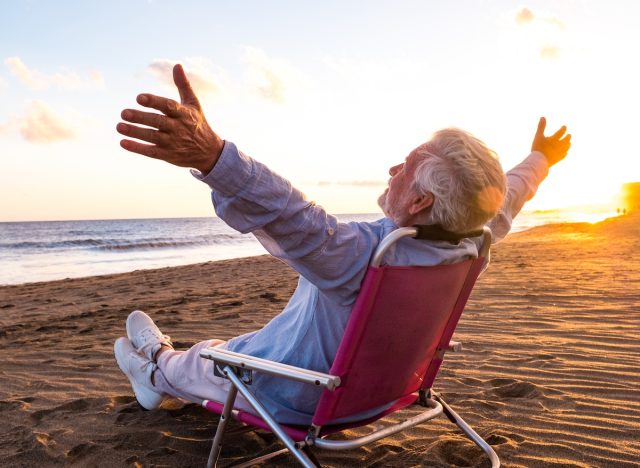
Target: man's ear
column 421, row 203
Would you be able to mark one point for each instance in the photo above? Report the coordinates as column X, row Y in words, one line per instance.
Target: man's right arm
column 250, row 197
column 180, row 135
column 246, row 194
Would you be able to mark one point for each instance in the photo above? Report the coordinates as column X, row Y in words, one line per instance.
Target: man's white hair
column 465, row 178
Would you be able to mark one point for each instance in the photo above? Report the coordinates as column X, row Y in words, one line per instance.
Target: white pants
column 186, row 375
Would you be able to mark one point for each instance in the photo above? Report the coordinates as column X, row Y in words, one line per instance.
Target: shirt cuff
column 231, row 172
column 539, row 164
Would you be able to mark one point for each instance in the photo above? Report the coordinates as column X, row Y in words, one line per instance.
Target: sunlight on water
column 589, row 214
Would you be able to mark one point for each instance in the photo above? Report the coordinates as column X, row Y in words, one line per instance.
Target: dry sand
column 549, row 374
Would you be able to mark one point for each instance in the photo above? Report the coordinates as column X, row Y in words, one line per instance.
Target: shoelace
column 145, row 366
column 151, row 339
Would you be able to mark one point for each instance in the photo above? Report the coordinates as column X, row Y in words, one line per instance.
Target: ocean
column 51, row 250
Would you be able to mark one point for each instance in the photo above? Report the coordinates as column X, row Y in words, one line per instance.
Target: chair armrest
column 244, row 361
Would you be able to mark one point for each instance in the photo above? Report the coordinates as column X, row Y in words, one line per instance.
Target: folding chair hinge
column 246, row 375
column 453, row 346
column 424, row 394
column 312, row 435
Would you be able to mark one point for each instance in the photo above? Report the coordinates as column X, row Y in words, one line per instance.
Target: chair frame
column 238, row 368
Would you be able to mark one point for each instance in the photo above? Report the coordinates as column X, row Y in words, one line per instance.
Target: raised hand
column 555, row 147
column 180, row 135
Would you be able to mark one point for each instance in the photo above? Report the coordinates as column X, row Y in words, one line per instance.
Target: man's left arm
column 524, row 179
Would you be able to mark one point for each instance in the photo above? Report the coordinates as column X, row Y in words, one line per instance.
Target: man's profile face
column 399, row 195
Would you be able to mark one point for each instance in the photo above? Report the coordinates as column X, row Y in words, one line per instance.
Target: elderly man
column 453, row 181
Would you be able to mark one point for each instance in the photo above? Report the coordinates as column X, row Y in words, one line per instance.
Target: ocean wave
column 125, row 244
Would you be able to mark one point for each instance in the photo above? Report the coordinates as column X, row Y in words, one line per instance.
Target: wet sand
column 549, row 373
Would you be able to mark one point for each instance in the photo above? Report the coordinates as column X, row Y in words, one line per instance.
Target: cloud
column 66, row 79
column 27, row 77
column 525, row 16
column 3, row 85
column 549, row 52
column 41, row 125
column 203, row 78
column 272, row 79
column 269, row 79
column 354, row 183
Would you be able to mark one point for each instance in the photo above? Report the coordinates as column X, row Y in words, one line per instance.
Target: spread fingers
column 140, row 133
column 166, row 106
column 150, row 119
column 151, row 151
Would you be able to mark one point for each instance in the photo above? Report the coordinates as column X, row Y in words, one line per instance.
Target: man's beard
column 382, row 201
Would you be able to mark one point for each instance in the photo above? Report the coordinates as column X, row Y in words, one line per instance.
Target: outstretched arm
column 246, row 194
column 524, row 179
column 179, row 136
column 555, row 147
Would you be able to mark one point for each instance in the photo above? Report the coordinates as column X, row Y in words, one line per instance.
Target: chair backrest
column 401, row 319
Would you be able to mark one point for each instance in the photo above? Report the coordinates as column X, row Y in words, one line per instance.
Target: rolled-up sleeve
column 522, row 184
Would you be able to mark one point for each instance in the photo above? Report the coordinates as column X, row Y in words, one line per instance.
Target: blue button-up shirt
column 331, row 258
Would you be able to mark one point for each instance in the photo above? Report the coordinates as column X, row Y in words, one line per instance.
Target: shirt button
column 331, row 231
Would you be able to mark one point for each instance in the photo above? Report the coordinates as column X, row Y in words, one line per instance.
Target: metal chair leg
column 312, row 456
column 267, row 418
column 468, row 430
column 216, row 446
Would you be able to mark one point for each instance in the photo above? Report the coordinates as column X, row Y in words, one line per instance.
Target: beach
column 549, row 372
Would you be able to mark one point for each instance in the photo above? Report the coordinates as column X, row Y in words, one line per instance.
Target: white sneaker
column 144, row 334
column 139, row 370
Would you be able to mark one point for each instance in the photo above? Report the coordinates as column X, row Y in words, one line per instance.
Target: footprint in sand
column 271, row 297
column 111, row 403
column 457, row 452
column 21, row 441
column 511, row 388
column 80, row 451
column 161, row 452
column 73, row 406
column 500, row 439
column 7, row 405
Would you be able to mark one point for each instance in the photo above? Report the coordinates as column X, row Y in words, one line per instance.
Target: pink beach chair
column 398, row 332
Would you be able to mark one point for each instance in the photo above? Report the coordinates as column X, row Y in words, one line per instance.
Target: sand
column 549, row 374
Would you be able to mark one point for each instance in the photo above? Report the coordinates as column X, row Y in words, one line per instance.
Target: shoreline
column 553, row 225
column 549, row 362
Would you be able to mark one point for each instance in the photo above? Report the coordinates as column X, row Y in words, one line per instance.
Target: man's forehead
column 418, row 154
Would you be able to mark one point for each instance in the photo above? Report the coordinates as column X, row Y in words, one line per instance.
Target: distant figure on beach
column 453, row 180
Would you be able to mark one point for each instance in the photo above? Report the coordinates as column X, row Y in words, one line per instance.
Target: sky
column 329, row 94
